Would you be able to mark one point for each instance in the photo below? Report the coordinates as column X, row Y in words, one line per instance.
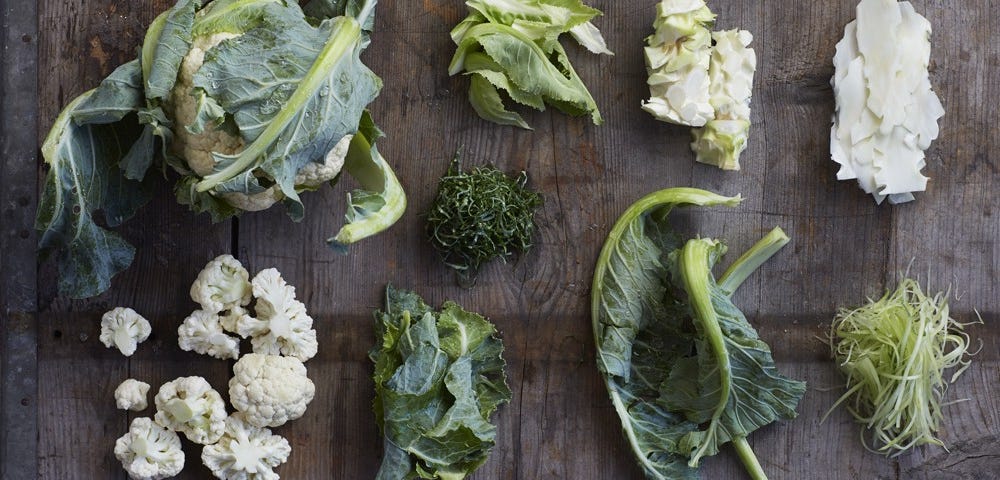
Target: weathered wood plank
column 18, row 175
column 560, row 423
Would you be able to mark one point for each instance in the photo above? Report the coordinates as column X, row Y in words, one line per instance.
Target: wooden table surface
column 59, row 420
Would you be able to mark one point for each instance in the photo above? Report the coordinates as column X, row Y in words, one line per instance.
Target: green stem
column 695, row 272
column 750, row 261
column 345, row 35
column 749, row 459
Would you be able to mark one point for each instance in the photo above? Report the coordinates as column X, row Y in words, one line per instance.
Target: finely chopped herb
column 894, row 353
column 481, row 215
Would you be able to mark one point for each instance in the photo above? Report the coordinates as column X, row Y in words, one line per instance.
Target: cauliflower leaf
column 438, row 378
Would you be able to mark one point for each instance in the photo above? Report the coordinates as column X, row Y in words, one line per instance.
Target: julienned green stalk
column 346, row 33
column 695, row 262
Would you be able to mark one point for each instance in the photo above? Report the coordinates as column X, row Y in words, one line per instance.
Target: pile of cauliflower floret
column 269, row 387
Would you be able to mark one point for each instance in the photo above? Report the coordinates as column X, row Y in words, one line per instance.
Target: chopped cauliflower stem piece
column 202, row 332
column 677, row 60
column 724, row 138
column 189, row 405
column 270, row 390
column 222, row 285
column 131, row 395
column 887, row 115
column 282, row 326
column 245, row 452
column 124, row 329
column 149, row 451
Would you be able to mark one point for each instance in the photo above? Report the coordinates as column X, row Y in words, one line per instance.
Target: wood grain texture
column 560, row 423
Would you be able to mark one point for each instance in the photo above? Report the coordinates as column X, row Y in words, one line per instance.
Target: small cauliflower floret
column 282, row 326
column 189, row 405
column 270, row 390
column 202, row 332
column 149, row 451
column 131, row 395
column 222, row 285
column 315, row 174
column 125, row 329
column 245, row 452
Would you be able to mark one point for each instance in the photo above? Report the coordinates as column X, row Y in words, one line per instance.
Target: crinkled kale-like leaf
column 438, row 377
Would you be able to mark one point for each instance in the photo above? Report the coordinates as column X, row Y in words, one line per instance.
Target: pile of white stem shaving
column 887, row 113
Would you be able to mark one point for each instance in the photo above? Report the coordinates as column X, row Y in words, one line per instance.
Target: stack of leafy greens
column 251, row 102
column 438, row 378
column 685, row 370
column 481, row 215
column 513, row 45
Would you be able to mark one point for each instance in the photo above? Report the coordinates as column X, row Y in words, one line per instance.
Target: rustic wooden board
column 560, row 423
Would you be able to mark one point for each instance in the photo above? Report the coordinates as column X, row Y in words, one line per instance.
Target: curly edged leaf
column 85, row 177
column 519, row 40
column 438, row 378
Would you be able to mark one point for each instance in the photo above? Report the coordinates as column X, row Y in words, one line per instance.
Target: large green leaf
column 438, row 377
column 685, row 371
column 83, row 178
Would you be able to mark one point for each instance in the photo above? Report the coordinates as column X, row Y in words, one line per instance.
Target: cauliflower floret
column 189, row 405
column 202, row 332
column 131, row 395
column 230, row 320
column 197, row 149
column 149, row 451
column 222, row 285
column 245, row 452
column 125, row 329
column 282, row 326
column 315, row 174
column 270, row 390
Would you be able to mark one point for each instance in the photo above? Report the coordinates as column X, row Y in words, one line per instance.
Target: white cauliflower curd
column 131, row 395
column 202, row 332
column 270, row 390
column 282, row 326
column 124, row 329
column 245, row 452
column 189, row 405
column 149, row 451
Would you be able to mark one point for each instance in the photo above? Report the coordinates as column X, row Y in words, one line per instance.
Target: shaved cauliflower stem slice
column 282, row 325
column 731, row 71
column 270, row 390
column 189, row 405
column 131, row 395
column 246, row 452
column 887, row 115
column 124, row 329
column 149, row 452
column 202, row 332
